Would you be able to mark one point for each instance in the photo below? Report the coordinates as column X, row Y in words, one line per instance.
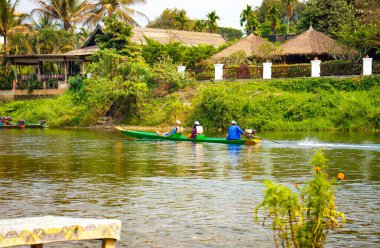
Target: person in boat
column 176, row 129
column 197, row 130
column 234, row 131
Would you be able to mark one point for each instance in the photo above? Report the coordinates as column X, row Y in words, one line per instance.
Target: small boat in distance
column 178, row 137
column 6, row 122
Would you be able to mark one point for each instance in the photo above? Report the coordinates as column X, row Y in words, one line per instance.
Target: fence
column 243, row 72
column 315, row 69
column 291, row 71
column 341, row 69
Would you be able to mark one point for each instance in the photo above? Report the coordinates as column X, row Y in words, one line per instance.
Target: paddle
column 267, row 139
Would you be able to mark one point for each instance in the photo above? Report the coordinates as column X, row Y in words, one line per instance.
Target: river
column 170, row 194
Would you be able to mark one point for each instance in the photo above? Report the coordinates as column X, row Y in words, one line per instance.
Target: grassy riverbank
column 291, row 104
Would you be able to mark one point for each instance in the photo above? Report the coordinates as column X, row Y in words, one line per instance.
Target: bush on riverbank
column 286, row 104
column 292, row 104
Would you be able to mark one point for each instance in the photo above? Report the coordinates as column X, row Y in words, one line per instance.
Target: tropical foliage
column 108, row 8
column 304, row 219
column 10, row 20
column 67, row 12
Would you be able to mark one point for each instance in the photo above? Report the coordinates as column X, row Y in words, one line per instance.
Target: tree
column 200, row 26
column 44, row 22
column 108, row 8
column 229, row 34
column 273, row 17
column 68, row 12
column 289, row 12
column 10, row 20
column 117, row 37
column 166, row 20
column 248, row 18
column 182, row 19
column 327, row 16
column 212, row 18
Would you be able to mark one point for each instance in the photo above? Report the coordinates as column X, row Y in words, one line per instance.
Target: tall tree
column 68, row 12
column 44, row 22
column 120, row 8
column 212, row 18
column 327, row 16
column 273, row 16
column 289, row 12
column 182, row 19
column 248, row 18
column 10, row 20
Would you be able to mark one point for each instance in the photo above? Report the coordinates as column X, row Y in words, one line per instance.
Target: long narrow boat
column 150, row 135
column 20, row 126
column 17, row 126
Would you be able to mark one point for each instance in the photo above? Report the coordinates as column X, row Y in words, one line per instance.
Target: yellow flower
column 340, row 176
column 317, row 168
column 297, row 186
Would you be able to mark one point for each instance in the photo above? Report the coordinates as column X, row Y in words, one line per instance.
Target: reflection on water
column 170, row 194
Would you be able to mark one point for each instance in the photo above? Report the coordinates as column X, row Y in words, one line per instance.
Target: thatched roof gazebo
column 250, row 45
column 308, row 45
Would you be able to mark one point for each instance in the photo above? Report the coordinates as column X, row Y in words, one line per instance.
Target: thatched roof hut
column 161, row 35
column 310, row 43
column 250, row 45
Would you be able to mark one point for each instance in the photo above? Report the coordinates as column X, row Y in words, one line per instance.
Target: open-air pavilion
column 64, row 66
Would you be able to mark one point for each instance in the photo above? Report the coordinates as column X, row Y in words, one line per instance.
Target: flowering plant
column 303, row 219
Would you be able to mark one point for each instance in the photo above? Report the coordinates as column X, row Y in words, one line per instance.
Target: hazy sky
column 228, row 11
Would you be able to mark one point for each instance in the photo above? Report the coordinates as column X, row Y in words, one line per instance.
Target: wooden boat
column 179, row 137
column 22, row 124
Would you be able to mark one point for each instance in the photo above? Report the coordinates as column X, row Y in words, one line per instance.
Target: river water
column 170, row 194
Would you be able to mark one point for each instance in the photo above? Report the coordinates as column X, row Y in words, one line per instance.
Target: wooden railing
column 201, row 74
column 376, row 67
column 341, row 69
column 243, row 72
column 291, row 71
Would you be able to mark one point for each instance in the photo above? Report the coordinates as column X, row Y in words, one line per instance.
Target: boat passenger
column 176, row 129
column 234, row 131
column 197, row 130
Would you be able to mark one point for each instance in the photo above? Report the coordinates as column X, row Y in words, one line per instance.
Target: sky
column 228, row 11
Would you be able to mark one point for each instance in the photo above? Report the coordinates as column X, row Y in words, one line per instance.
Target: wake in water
column 315, row 143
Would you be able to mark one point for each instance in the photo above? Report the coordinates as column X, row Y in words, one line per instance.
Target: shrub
column 304, row 219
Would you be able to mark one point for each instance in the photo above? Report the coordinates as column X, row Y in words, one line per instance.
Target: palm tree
column 212, row 17
column 182, row 19
column 120, row 8
column 273, row 16
column 69, row 12
column 10, row 20
column 199, row 26
column 249, row 17
column 44, row 22
column 289, row 11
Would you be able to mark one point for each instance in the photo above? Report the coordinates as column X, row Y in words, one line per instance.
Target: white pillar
column 218, row 71
column 267, row 70
column 367, row 66
column 181, row 70
column 315, row 68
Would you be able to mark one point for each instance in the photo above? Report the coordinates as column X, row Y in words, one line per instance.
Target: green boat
column 5, row 122
column 178, row 137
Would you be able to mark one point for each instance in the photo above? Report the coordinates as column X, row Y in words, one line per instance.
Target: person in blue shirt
column 234, row 131
column 176, row 129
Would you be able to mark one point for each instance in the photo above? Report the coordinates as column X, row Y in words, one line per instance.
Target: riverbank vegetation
column 158, row 96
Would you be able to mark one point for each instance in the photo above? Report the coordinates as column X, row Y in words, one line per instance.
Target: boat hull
column 16, row 126
column 154, row 136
